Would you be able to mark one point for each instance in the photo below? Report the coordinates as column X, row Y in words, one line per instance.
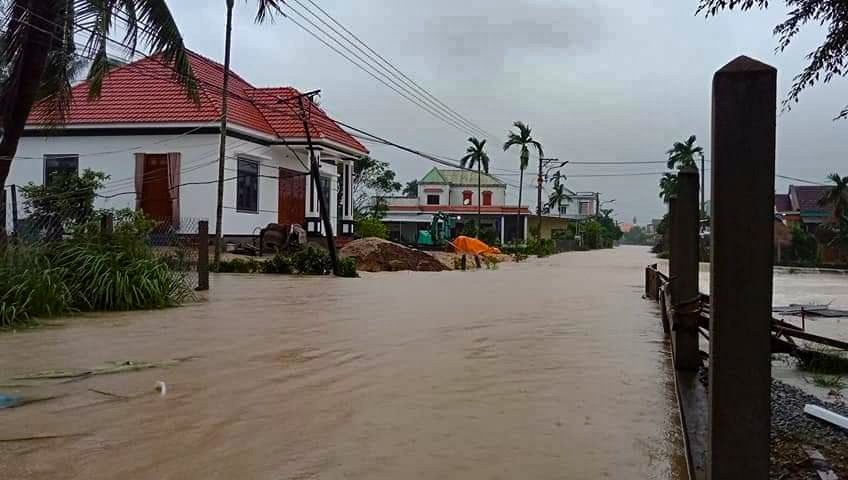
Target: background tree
column 668, row 186
column 827, row 60
column 40, row 56
column 836, row 197
column 685, row 154
column 524, row 140
column 558, row 196
column 410, row 190
column 476, row 154
column 372, row 181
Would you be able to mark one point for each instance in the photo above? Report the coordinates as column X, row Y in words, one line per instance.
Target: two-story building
column 454, row 192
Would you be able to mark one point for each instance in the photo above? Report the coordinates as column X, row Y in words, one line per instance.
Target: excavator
column 440, row 231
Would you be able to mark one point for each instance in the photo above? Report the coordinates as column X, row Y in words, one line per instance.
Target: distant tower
column 634, row 220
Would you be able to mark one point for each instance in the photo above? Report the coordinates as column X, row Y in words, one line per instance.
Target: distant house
column 801, row 206
column 161, row 150
column 454, row 192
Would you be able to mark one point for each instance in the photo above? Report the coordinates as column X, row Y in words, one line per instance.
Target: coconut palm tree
column 524, row 140
column 837, row 196
column 685, row 154
column 41, row 56
column 558, row 196
column 668, row 186
column 475, row 154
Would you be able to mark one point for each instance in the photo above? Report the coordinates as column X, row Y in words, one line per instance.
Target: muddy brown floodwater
column 550, row 369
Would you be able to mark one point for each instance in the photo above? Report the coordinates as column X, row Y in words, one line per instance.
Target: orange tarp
column 472, row 246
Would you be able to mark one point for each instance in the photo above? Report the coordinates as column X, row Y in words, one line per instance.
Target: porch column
column 503, row 230
column 347, row 196
column 526, row 222
column 313, row 215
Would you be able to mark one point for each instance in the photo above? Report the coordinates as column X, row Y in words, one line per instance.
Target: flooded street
column 553, row 368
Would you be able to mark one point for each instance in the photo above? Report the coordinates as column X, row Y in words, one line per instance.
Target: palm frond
column 267, row 9
column 162, row 35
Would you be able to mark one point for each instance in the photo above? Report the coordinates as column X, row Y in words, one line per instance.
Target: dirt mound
column 378, row 255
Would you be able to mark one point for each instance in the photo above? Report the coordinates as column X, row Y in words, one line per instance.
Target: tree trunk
column 222, row 151
column 23, row 84
column 518, row 214
column 479, row 203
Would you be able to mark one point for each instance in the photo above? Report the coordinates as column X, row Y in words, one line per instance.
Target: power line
column 405, row 79
column 429, row 110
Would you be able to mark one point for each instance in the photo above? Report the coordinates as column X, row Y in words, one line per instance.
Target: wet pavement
column 553, row 368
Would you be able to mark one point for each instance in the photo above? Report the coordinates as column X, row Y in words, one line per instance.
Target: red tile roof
column 782, row 202
column 806, row 197
column 146, row 91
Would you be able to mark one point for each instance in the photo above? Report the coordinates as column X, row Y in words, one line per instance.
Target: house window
column 247, row 188
column 467, row 197
column 584, row 206
column 487, row 198
column 433, row 200
column 59, row 165
column 563, row 209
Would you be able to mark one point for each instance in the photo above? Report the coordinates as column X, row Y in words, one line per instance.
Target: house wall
column 549, row 224
column 443, row 194
column 114, row 155
column 498, row 194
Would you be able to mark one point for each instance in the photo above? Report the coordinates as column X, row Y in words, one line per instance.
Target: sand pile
column 378, row 255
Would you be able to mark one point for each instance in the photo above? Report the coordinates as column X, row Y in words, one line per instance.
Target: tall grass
column 90, row 272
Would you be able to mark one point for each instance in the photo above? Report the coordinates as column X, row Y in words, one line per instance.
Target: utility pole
column 222, row 152
column 703, row 203
column 539, row 198
column 315, row 173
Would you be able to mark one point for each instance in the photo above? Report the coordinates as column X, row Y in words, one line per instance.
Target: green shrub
column 347, row 267
column 491, row 262
column 541, row 247
column 519, row 257
column 279, row 263
column 311, row 261
column 239, row 265
column 371, row 227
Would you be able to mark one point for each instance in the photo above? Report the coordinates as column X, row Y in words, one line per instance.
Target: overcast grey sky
column 598, row 80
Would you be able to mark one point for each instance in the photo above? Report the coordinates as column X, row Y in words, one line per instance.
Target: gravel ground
column 792, row 431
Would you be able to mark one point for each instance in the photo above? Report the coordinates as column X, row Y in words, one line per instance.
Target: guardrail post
column 203, row 255
column 14, row 190
column 685, row 297
column 743, row 147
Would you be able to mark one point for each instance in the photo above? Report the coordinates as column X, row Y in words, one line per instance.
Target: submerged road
column 549, row 369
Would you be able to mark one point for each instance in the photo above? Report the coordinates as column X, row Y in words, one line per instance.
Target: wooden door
column 155, row 195
column 291, row 205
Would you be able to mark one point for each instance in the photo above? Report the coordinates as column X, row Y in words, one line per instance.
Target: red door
column 291, row 208
column 155, row 195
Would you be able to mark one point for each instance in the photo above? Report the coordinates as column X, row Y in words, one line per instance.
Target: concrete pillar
column 503, row 230
column 106, row 224
column 743, row 148
column 684, row 278
column 203, row 255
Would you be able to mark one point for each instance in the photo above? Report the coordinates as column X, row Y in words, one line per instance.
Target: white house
column 454, row 192
column 160, row 150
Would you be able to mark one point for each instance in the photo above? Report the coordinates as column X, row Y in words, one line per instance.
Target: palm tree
column 685, row 154
column 668, row 186
column 475, row 154
column 524, row 140
column 266, row 9
column 837, row 197
column 558, row 196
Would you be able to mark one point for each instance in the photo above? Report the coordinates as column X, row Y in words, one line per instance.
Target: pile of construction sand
column 378, row 255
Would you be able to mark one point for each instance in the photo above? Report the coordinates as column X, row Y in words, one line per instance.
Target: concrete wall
column 549, row 224
column 498, row 194
column 114, row 155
